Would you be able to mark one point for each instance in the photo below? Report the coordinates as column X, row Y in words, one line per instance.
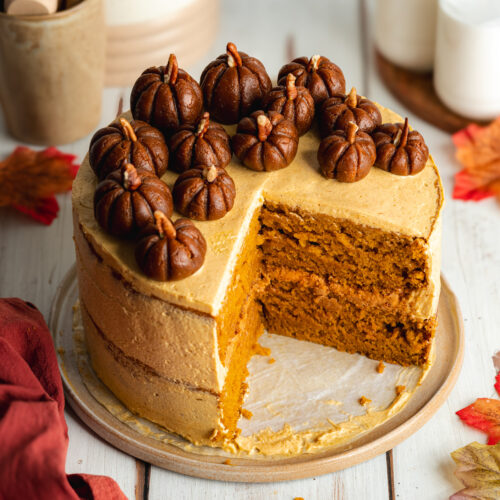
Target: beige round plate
column 423, row 404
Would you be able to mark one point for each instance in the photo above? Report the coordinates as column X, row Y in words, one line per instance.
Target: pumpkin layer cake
column 352, row 266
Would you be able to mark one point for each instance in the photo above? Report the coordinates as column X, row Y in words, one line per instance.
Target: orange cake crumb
column 227, row 462
column 246, row 413
column 400, row 389
column 298, row 498
column 363, row 401
column 380, row 367
column 261, row 350
column 271, row 361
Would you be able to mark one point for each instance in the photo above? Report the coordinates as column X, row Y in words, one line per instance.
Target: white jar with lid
column 405, row 32
column 467, row 66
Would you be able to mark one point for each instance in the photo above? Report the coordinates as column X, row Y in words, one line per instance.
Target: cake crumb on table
column 298, row 498
column 363, row 401
column 380, row 367
column 227, row 462
column 246, row 413
column 261, row 350
column 271, row 361
column 400, row 389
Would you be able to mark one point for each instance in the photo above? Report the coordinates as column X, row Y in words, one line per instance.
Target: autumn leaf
column 478, row 150
column 483, row 414
column 466, row 189
column 29, row 180
column 478, row 468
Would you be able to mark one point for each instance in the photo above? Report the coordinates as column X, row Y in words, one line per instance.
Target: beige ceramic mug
column 52, row 73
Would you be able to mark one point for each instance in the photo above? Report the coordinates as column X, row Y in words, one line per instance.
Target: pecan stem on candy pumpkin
column 210, row 173
column 203, row 125
column 171, row 71
column 313, row 63
column 128, row 130
column 265, row 127
column 164, row 225
column 402, row 136
column 352, row 99
column 131, row 179
column 352, row 128
column 233, row 57
column 291, row 89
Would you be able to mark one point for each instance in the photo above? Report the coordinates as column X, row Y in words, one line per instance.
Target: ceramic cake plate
column 191, row 460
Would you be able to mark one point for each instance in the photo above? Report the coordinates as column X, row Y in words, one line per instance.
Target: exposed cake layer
column 353, row 253
column 239, row 352
column 246, row 272
column 379, row 325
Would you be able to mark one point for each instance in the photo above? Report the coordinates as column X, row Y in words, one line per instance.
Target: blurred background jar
column 467, row 67
column 52, row 73
column 405, row 32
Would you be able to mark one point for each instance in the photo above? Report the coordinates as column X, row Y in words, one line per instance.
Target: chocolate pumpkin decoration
column 265, row 142
column 234, row 85
column 294, row 103
column 125, row 201
column 133, row 142
column 166, row 97
column 205, row 144
column 399, row 150
column 169, row 251
column 204, row 194
column 337, row 111
column 319, row 75
column 346, row 156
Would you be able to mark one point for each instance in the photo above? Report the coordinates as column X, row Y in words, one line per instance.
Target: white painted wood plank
column 367, row 481
column 471, row 263
column 262, row 28
column 33, row 260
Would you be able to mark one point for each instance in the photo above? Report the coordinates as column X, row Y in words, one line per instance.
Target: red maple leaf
column 484, row 413
column 29, row 180
column 466, row 188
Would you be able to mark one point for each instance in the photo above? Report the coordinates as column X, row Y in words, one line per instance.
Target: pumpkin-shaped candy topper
column 399, row 150
column 319, row 75
column 265, row 142
column 234, row 85
column 337, row 111
column 125, row 201
column 204, row 194
column 205, row 144
column 346, row 156
column 133, row 142
column 168, row 251
column 166, row 97
column 294, row 103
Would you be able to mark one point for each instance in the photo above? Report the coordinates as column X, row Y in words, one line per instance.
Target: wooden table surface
column 34, row 258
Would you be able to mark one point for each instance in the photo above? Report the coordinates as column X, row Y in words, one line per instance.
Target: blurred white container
column 467, row 67
column 143, row 33
column 405, row 32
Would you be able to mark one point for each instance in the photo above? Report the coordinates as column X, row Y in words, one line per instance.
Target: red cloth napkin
column 33, row 431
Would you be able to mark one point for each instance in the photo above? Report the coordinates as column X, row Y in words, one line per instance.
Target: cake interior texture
column 362, row 279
